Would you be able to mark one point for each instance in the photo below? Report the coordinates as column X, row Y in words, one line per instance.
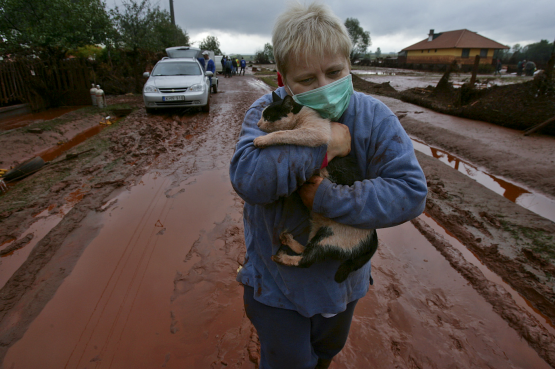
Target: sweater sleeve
column 394, row 190
column 261, row 176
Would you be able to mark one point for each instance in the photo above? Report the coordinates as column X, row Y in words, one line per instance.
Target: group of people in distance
column 528, row 67
column 231, row 66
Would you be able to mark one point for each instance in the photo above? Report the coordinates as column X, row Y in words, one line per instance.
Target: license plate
column 172, row 98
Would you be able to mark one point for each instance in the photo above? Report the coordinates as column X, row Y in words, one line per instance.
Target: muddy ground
column 515, row 105
column 126, row 255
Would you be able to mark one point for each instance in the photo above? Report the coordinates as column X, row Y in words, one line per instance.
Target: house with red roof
column 444, row 47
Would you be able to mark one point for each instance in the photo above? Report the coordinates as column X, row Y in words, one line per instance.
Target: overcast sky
column 244, row 26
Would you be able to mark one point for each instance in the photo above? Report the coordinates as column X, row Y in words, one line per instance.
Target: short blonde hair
column 312, row 30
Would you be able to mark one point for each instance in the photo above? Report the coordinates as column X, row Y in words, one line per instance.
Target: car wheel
column 215, row 89
column 150, row 110
column 206, row 108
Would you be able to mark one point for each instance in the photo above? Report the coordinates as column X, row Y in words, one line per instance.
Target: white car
column 193, row 52
column 177, row 83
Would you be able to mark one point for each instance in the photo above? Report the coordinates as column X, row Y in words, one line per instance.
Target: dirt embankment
column 519, row 106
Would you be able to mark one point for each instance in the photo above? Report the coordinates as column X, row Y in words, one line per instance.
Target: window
column 177, row 69
column 465, row 53
column 483, row 53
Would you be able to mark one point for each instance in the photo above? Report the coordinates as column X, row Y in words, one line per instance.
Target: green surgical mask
column 330, row 100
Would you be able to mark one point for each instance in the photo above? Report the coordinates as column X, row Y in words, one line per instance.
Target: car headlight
column 196, row 88
column 150, row 88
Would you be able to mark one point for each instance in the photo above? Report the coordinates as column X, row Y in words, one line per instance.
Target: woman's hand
column 308, row 190
column 340, row 143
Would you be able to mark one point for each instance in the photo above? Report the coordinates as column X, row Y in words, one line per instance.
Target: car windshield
column 177, row 69
column 182, row 53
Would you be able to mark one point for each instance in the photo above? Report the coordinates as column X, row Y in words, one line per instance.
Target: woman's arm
column 261, row 176
column 395, row 191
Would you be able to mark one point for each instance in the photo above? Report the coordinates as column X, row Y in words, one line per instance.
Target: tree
column 211, row 43
column 538, row 52
column 142, row 26
column 378, row 52
column 266, row 55
column 359, row 37
column 269, row 51
column 52, row 26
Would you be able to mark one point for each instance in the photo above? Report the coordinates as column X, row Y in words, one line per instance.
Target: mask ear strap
column 290, row 92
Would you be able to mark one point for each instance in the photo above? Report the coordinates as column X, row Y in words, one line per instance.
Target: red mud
column 27, row 119
column 144, row 276
column 54, row 152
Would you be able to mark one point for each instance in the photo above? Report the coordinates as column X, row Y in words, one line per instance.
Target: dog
column 288, row 123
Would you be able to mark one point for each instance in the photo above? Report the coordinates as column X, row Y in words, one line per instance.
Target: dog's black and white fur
column 288, row 122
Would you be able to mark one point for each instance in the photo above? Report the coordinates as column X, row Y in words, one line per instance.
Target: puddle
column 125, row 277
column 26, row 119
column 10, row 262
column 522, row 302
column 422, row 313
column 535, row 202
column 54, row 152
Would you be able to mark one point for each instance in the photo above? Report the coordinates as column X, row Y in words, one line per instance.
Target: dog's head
column 280, row 114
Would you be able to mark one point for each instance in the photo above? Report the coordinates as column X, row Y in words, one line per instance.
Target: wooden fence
column 44, row 83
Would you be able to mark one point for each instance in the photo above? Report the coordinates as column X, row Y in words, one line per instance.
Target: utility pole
column 173, row 22
column 172, row 13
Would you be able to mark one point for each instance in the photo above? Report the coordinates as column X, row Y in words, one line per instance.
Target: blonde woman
column 302, row 315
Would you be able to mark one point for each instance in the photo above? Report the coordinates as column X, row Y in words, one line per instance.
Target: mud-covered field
column 519, row 105
column 126, row 255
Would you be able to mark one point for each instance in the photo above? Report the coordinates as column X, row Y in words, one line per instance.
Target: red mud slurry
column 528, row 199
column 472, row 258
column 420, row 313
column 54, row 152
column 26, row 119
column 131, row 311
column 10, row 262
column 155, row 287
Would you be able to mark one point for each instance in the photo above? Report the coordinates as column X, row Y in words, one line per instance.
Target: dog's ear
column 275, row 97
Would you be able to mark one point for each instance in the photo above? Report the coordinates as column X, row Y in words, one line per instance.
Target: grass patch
column 29, row 189
column 270, row 81
column 537, row 240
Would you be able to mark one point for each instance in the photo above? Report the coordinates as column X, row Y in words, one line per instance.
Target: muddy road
column 142, row 273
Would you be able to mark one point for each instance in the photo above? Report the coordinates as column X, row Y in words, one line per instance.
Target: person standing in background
column 234, row 64
column 210, row 66
column 243, row 65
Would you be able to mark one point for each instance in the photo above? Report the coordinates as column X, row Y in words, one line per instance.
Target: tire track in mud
column 526, row 325
column 421, row 313
column 208, row 142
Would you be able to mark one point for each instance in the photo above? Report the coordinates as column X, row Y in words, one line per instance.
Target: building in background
column 442, row 48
